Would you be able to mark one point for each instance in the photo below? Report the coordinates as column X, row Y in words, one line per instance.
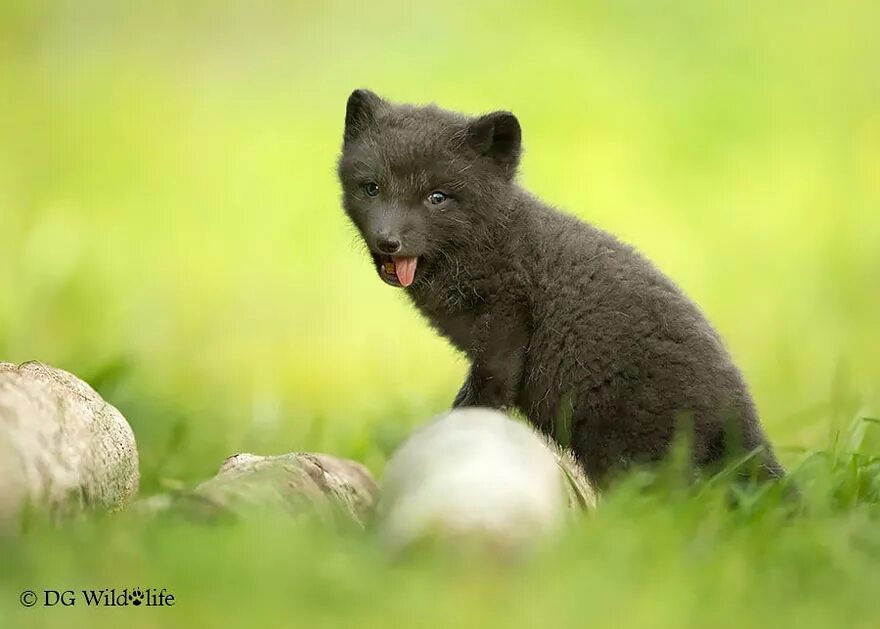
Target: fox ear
column 360, row 112
column 499, row 137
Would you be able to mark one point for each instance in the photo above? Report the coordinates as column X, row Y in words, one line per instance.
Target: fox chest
column 453, row 318
column 458, row 328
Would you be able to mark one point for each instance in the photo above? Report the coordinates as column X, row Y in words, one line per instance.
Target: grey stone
column 63, row 449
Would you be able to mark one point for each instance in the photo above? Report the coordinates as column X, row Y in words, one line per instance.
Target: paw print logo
column 136, row 597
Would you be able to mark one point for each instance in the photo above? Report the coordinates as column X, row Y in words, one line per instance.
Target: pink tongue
column 405, row 269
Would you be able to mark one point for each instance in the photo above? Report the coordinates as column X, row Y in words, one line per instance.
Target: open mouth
column 396, row 270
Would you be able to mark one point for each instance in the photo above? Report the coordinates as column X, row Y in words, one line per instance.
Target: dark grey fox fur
column 559, row 319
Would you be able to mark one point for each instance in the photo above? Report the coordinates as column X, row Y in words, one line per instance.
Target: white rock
column 473, row 473
column 62, row 447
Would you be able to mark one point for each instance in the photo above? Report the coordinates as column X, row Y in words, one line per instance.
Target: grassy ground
column 170, row 230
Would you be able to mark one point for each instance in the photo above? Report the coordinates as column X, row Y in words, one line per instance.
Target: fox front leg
column 492, row 385
column 494, row 377
column 465, row 395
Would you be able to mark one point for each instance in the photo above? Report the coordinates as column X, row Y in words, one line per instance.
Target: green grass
column 170, row 230
column 653, row 555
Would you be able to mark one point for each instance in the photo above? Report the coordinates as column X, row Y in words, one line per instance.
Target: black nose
column 388, row 245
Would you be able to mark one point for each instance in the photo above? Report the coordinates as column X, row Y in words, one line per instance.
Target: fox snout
column 386, row 233
column 387, row 242
column 395, row 252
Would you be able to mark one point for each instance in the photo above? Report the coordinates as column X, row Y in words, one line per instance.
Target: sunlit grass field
column 170, row 230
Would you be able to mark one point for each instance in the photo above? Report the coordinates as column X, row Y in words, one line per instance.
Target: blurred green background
column 170, row 225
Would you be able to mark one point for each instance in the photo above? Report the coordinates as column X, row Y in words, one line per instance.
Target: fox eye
column 437, row 197
column 371, row 189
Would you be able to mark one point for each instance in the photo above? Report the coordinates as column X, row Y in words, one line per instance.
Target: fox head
column 417, row 181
